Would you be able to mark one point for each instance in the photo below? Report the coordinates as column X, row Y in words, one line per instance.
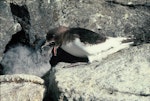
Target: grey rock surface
column 126, row 76
column 123, row 76
column 21, row 87
column 129, row 2
column 110, row 17
column 37, row 18
column 8, row 26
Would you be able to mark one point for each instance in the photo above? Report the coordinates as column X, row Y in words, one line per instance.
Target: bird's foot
column 76, row 64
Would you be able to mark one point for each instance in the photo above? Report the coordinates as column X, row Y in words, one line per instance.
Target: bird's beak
column 47, row 43
column 55, row 50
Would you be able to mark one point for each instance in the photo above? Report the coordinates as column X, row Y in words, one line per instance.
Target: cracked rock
column 124, row 75
column 21, row 87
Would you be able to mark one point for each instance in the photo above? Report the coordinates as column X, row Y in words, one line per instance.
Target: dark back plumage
column 87, row 36
column 62, row 35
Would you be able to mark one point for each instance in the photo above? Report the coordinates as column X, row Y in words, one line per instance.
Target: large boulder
column 34, row 17
column 21, row 87
column 7, row 25
column 124, row 76
column 110, row 17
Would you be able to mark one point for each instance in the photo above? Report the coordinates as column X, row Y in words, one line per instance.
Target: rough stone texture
column 26, row 21
column 129, row 2
column 111, row 17
column 114, row 18
column 8, row 26
column 124, row 76
column 20, row 87
column 38, row 19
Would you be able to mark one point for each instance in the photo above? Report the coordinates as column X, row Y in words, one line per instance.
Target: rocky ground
column 123, row 76
column 21, row 87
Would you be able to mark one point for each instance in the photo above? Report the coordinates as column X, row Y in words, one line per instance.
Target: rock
column 7, row 25
column 35, row 17
column 26, row 21
column 130, row 2
column 110, row 17
column 21, row 87
column 124, row 75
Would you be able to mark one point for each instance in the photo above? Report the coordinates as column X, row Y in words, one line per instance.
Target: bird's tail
column 119, row 44
column 117, row 41
column 112, row 45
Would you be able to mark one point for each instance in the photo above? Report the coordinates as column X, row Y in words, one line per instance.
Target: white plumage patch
column 97, row 51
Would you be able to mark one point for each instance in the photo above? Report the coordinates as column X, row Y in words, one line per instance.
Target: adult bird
column 82, row 42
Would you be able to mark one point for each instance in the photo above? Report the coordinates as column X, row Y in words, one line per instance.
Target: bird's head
column 55, row 37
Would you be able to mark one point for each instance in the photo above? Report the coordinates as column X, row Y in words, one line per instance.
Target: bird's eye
column 50, row 36
column 52, row 44
column 54, row 35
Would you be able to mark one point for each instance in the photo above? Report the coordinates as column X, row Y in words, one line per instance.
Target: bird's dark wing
column 87, row 36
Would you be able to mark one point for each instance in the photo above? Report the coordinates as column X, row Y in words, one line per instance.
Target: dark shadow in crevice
column 52, row 93
column 21, row 15
column 63, row 56
column 18, row 38
column 1, row 70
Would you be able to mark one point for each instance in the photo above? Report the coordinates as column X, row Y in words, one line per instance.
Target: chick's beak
column 51, row 43
column 46, row 44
